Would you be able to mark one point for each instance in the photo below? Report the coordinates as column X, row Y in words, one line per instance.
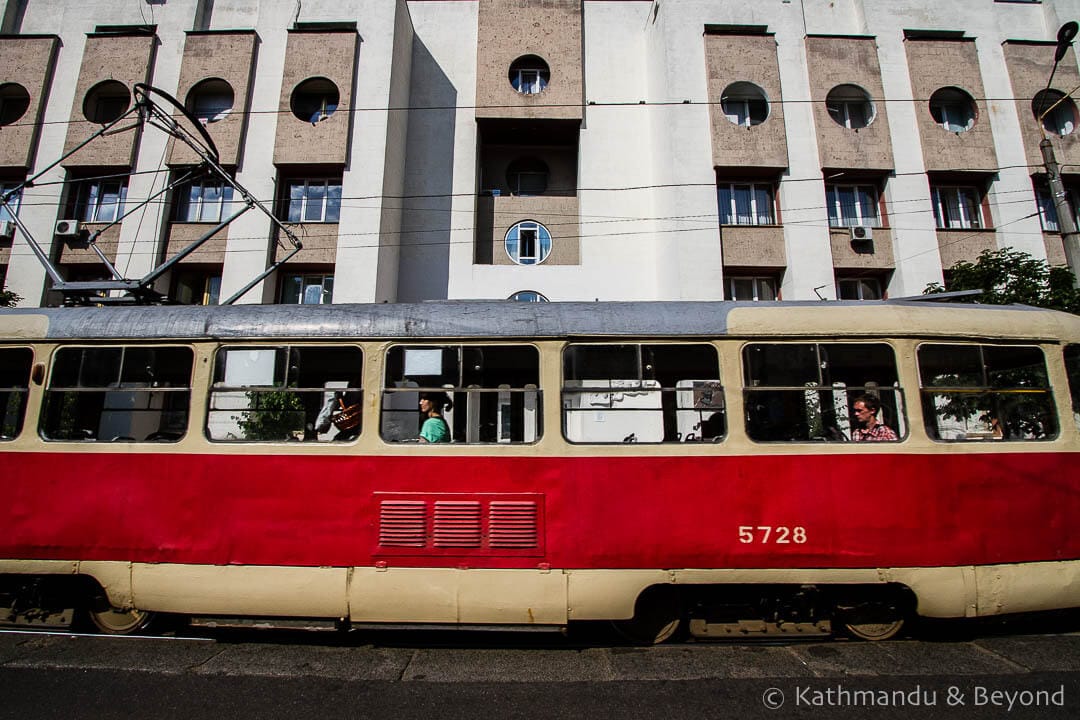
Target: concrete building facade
column 556, row 149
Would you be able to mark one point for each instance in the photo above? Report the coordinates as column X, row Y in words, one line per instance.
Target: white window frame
column 307, row 202
column 13, row 202
column 832, row 195
column 90, row 205
column 755, row 215
column 1048, row 215
column 947, row 198
column 530, row 81
column 758, row 282
column 310, row 281
column 538, row 255
column 199, row 209
column 859, row 287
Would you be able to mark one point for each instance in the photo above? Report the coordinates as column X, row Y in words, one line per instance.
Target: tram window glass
column 799, row 392
column 642, row 393
column 494, row 389
column 14, row 387
column 286, row 392
column 1072, row 367
column 118, row 394
column 986, row 392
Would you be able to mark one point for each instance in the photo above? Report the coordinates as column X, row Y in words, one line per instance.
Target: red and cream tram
column 655, row 464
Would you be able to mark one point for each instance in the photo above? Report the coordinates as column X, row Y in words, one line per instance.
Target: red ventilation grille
column 403, row 523
column 460, row 524
column 512, row 525
column 457, row 524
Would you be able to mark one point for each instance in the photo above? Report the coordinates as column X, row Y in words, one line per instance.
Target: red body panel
column 634, row 512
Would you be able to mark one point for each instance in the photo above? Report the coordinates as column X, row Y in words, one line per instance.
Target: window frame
column 204, row 212
column 16, row 394
column 756, row 280
column 752, row 189
column 542, row 243
column 326, row 283
column 14, row 202
column 834, row 203
column 844, row 279
column 946, row 198
column 1044, row 201
column 91, row 202
column 329, row 206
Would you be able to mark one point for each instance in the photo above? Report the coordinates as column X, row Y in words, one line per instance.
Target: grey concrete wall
column 749, row 246
column 1029, row 66
column 27, row 61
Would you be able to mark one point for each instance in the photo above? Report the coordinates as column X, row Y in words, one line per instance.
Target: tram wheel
column 120, row 622
column 874, row 622
column 657, row 617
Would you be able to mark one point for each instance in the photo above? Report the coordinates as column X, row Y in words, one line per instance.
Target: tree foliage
column 274, row 415
column 8, row 298
column 1009, row 276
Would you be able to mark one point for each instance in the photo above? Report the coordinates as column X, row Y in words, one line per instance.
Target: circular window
column 745, row 104
column 527, row 176
column 106, row 102
column 1056, row 111
column 14, row 102
column 850, row 106
column 529, row 74
column 953, row 109
column 528, row 296
column 528, row 243
column 210, row 100
column 314, row 100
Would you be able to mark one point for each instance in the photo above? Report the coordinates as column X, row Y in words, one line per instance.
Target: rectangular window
column 1072, row 368
column 99, row 201
column 15, row 366
column 12, row 209
column 118, row 394
column 195, row 287
column 642, row 393
column 749, row 288
column 957, row 208
column 203, row 201
column 494, row 391
column 1048, row 214
column 746, row 204
column 852, row 205
column 307, row 289
column 858, row 289
column 986, row 392
column 799, row 392
column 312, row 200
column 286, row 392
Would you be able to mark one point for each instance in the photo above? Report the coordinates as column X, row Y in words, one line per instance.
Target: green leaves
column 1009, row 276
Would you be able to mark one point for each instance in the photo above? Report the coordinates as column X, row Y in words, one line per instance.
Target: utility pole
column 1066, row 220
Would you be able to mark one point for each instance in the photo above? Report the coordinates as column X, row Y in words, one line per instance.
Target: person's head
column 866, row 408
column 435, row 402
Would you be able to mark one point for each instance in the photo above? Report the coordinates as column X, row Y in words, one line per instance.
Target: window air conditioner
column 67, row 228
column 7, row 229
column 861, row 232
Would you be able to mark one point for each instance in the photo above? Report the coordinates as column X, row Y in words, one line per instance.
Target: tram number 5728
column 771, row 534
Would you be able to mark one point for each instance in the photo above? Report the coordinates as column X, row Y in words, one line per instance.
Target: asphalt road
column 487, row 676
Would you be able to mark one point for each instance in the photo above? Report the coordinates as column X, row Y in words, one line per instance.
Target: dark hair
column 439, row 401
column 870, row 402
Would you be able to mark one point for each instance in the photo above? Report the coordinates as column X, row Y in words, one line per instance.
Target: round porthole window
column 953, row 109
column 745, row 104
column 529, row 74
column 528, row 296
column 1056, row 111
column 850, row 106
column 528, row 243
column 106, row 101
column 14, row 102
column 210, row 100
column 314, row 100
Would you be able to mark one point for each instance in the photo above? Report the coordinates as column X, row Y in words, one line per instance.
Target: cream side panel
column 25, row 327
column 114, row 578
column 1027, row 587
column 450, row 595
column 241, row 590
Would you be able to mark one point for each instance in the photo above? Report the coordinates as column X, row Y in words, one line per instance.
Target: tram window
column 118, row 394
column 1072, row 367
column 642, row 393
column 804, row 392
column 986, row 392
column 494, row 389
column 14, row 387
column 286, row 392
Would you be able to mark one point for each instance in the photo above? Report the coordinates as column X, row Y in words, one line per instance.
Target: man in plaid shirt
column 866, row 409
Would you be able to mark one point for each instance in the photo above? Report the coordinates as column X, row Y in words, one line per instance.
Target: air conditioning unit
column 861, row 232
column 7, row 229
column 67, row 228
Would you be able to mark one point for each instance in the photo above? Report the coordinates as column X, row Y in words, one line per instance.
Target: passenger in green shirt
column 434, row 429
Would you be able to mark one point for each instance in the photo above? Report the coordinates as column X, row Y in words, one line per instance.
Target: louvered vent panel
column 457, row 524
column 513, row 525
column 402, row 523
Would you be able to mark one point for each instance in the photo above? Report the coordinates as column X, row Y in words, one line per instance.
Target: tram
column 673, row 467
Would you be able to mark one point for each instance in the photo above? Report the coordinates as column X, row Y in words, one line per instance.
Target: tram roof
column 507, row 319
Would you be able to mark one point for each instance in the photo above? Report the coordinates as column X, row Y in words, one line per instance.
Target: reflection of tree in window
column 980, row 392
column 642, row 393
column 804, row 391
